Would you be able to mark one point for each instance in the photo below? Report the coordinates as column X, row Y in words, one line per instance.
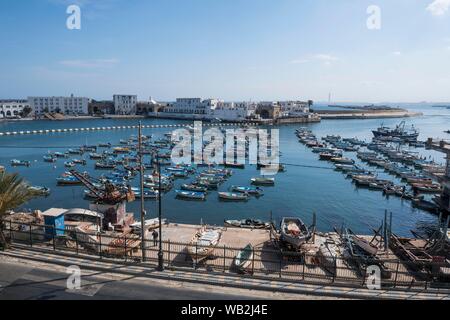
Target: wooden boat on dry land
column 247, row 224
column 427, row 188
column 203, row 243
column 327, row 256
column 244, row 258
column 406, row 248
column 294, row 232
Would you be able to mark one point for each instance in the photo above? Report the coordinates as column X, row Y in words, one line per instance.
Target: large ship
column 400, row 131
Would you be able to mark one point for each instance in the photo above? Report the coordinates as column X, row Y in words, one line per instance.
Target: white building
column 294, row 108
column 232, row 111
column 12, row 108
column 66, row 105
column 192, row 106
column 125, row 104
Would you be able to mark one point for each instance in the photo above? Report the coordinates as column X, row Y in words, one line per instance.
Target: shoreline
column 348, row 115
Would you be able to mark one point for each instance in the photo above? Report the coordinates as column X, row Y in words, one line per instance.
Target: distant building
column 149, row 107
column 65, row 105
column 14, row 108
column 125, row 104
column 232, row 111
column 268, row 110
column 101, row 107
column 294, row 108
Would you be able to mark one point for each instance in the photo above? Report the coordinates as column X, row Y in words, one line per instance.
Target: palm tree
column 14, row 192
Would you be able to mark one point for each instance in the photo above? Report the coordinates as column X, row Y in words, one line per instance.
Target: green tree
column 14, row 192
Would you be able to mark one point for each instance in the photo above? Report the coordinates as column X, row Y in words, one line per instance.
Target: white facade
column 292, row 108
column 66, row 105
column 192, row 106
column 231, row 111
column 125, row 104
column 12, row 109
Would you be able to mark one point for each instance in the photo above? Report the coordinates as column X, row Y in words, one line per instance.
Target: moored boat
column 20, row 163
column 230, row 196
column 190, row 195
column 263, row 181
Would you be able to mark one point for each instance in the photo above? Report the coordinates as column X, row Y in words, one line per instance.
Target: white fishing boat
column 203, row 243
column 263, row 181
column 230, row 196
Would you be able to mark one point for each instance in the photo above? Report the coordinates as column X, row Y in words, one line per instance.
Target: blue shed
column 54, row 218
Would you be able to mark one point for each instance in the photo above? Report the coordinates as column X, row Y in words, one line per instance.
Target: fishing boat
column 262, row 181
column 20, row 163
column 294, row 232
column 69, row 164
column 234, row 165
column 426, row 205
column 230, row 196
column 342, row 160
column 105, row 165
column 203, row 243
column 75, row 151
column 95, row 156
column 79, row 161
column 49, row 158
column 427, row 188
column 247, row 224
column 104, row 145
column 190, row 195
column 363, row 244
column 60, row 155
column 400, row 131
column 70, row 180
column 244, row 258
column 148, row 194
column 248, row 190
column 193, row 187
column 327, row 257
column 43, row 191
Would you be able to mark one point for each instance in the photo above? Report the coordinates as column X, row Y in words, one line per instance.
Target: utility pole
column 141, row 169
column 160, row 251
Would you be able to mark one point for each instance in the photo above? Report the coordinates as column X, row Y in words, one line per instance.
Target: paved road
column 24, row 280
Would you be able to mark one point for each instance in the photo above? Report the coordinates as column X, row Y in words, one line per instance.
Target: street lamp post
column 160, row 251
column 141, row 171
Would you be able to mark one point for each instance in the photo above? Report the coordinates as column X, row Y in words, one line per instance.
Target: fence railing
column 266, row 262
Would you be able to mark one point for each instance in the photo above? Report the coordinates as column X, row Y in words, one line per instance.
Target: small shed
column 54, row 222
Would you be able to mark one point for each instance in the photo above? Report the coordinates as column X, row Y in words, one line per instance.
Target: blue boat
column 249, row 190
column 191, row 195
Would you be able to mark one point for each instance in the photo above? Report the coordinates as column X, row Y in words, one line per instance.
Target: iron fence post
column 281, row 258
column 54, row 238
column 253, row 262
column 304, row 266
column 195, row 262
column 11, row 233
column 169, row 263
column 76, row 241
column 31, row 235
column 100, row 245
column 396, row 274
column 125, row 248
column 224, row 257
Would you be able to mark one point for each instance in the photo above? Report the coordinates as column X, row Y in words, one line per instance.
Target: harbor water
column 308, row 185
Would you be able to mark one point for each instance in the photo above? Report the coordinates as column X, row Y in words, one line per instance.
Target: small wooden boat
column 193, row 187
column 79, row 161
column 42, row 191
column 75, row 151
column 49, row 158
column 190, row 195
column 203, row 243
column 294, row 232
column 244, row 258
column 234, row 165
column 104, row 165
column 343, row 160
column 60, row 155
column 95, row 156
column 327, row 257
column 104, row 145
column 426, row 205
column 230, row 196
column 20, row 163
column 263, row 181
column 249, row 190
column 247, row 224
column 148, row 194
column 427, row 188
column 65, row 181
column 363, row 244
column 69, row 164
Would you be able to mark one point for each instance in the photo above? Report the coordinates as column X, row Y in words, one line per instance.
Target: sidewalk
column 223, row 280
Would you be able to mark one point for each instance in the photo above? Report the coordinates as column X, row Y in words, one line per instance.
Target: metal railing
column 268, row 262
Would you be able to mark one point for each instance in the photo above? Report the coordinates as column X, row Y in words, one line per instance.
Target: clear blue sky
column 229, row 49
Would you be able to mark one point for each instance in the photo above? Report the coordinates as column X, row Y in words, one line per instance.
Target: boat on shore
column 203, row 243
column 244, row 258
column 247, row 224
column 294, row 232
